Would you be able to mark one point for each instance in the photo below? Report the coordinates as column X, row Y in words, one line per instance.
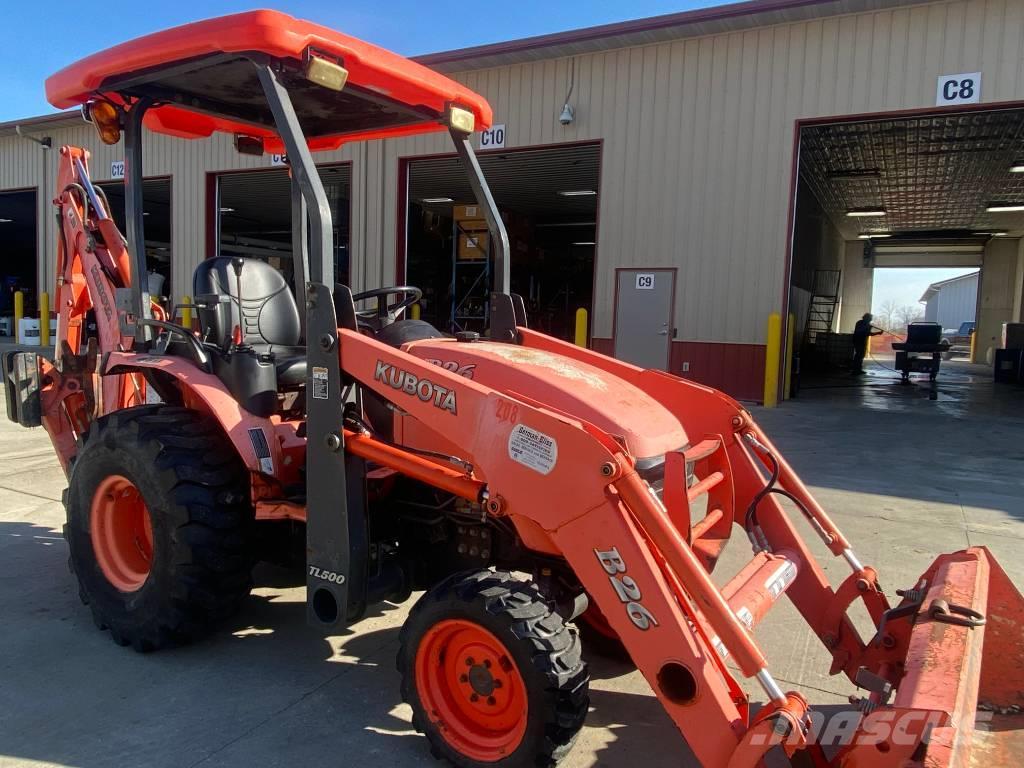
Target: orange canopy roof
column 402, row 97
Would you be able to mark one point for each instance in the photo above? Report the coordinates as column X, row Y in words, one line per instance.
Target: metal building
column 708, row 160
column 950, row 303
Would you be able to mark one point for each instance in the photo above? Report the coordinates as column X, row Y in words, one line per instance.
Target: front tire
column 493, row 676
column 159, row 525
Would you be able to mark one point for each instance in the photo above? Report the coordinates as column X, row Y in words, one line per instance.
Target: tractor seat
column 269, row 318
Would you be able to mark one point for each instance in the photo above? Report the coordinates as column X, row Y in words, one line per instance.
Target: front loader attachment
column 942, row 668
column 964, row 664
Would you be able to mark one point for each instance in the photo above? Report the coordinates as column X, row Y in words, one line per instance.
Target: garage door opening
column 893, row 217
column 156, row 212
column 255, row 216
column 18, row 271
column 549, row 200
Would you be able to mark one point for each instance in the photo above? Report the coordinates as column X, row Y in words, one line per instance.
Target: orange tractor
column 409, row 460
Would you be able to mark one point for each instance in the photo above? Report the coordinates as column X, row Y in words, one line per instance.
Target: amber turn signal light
column 104, row 116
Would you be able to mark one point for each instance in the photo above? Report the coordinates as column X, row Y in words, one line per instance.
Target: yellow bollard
column 44, row 319
column 771, row 360
column 414, row 311
column 788, row 379
column 19, row 312
column 974, row 339
column 186, row 311
column 581, row 327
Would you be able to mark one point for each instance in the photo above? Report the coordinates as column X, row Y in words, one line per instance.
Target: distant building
column 952, row 302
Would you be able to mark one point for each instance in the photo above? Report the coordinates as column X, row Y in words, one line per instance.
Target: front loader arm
column 946, row 648
column 708, row 413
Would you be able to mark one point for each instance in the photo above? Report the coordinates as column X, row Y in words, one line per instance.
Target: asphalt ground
column 905, row 477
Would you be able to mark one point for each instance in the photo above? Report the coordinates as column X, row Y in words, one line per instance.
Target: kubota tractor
column 415, row 461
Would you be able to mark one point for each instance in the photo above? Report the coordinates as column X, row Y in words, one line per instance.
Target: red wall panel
column 736, row 369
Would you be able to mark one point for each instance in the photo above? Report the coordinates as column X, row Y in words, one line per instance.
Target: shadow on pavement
column 263, row 690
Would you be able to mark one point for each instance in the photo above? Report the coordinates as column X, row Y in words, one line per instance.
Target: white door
column 643, row 316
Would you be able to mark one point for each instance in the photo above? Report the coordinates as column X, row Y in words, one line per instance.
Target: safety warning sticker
column 319, row 383
column 781, row 579
column 532, row 449
column 719, row 646
column 745, row 616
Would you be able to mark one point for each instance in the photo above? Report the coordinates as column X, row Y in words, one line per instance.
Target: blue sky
column 39, row 43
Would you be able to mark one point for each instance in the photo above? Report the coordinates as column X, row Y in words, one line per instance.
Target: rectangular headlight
column 326, row 73
column 461, row 119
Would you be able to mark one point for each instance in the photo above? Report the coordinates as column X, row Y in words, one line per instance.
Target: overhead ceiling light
column 846, row 174
column 577, row 192
column 145, row 213
column 431, row 200
column 585, row 243
column 865, row 212
column 998, row 234
column 1005, row 207
column 1017, row 169
column 6, row 221
column 225, row 209
column 871, row 237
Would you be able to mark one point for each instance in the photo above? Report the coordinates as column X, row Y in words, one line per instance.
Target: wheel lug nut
column 464, row 679
column 469, row 661
column 498, row 683
column 487, row 663
column 474, row 698
column 491, row 701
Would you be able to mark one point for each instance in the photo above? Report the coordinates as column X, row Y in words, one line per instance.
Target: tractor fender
column 252, row 436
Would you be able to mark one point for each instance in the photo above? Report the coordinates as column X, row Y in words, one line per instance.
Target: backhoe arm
column 92, row 263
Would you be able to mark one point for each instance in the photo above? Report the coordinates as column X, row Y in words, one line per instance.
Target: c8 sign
column 958, row 89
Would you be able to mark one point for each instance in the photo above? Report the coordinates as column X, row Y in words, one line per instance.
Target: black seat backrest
column 269, row 315
column 924, row 333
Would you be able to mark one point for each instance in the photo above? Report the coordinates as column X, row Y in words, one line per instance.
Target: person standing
column 861, row 332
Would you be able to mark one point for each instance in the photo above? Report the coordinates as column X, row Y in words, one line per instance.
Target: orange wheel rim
column 122, row 535
column 471, row 690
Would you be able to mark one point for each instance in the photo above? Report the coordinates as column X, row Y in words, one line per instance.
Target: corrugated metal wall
column 954, row 304
column 698, row 137
column 697, row 146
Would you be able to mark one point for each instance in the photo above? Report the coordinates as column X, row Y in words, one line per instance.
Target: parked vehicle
column 958, row 340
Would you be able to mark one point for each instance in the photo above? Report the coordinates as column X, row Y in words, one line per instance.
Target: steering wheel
column 386, row 312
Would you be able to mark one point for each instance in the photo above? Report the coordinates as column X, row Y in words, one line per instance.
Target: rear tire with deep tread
column 546, row 652
column 195, row 490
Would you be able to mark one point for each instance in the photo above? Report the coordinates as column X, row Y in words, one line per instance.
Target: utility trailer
column 608, row 490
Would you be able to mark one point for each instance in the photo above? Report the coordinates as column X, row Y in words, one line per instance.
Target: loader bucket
column 965, row 660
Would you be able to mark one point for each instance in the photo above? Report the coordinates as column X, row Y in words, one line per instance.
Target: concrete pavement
column 904, row 477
